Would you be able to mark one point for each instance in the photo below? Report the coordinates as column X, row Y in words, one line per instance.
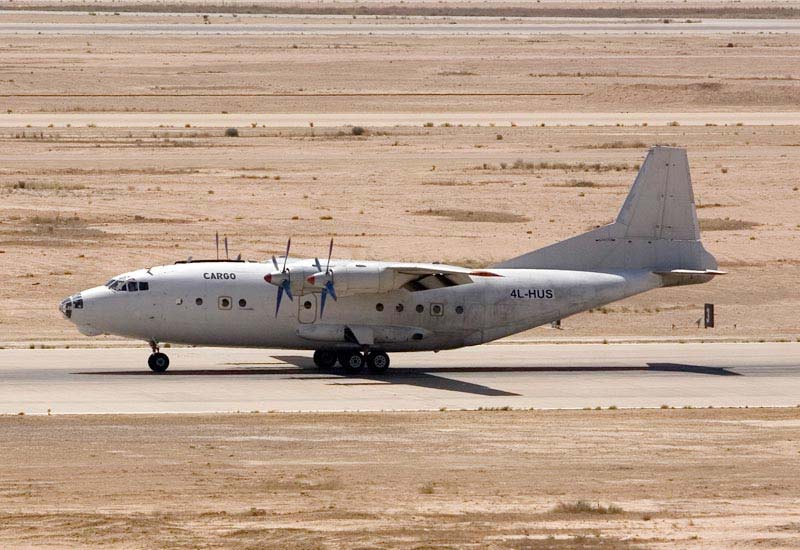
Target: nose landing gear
column 158, row 362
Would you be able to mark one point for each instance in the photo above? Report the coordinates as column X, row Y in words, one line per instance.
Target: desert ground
column 428, row 146
column 618, row 479
column 475, row 149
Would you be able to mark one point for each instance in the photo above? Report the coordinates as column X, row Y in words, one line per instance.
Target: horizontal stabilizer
column 678, row 277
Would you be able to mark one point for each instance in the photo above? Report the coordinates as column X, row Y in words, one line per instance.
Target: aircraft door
column 307, row 312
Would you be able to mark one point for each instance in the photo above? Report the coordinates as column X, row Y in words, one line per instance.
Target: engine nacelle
column 359, row 278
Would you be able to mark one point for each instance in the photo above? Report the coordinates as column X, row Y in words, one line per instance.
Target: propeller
column 282, row 279
column 327, row 288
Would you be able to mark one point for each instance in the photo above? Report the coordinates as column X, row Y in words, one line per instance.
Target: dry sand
column 711, row 479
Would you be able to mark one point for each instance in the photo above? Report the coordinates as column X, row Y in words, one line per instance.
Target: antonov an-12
column 355, row 312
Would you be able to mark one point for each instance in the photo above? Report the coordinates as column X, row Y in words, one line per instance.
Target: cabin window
column 420, row 308
column 459, row 309
column 132, row 286
column 379, row 306
column 224, row 302
column 399, row 308
column 199, row 301
column 144, row 286
column 437, row 310
column 242, row 302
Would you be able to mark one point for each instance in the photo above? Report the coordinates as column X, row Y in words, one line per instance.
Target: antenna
column 217, row 239
column 226, row 248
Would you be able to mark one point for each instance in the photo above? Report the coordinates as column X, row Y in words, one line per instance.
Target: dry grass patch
column 725, row 224
column 576, row 183
column 574, row 166
column 44, row 186
column 452, row 183
column 586, row 507
column 619, row 145
column 489, row 216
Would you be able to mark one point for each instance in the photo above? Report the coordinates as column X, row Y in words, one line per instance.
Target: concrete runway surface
column 516, row 27
column 515, row 375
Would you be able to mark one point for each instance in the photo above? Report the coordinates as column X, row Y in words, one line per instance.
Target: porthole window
column 399, row 308
column 307, row 304
column 459, row 309
column 242, row 302
column 437, row 310
column 224, row 302
column 379, row 306
column 199, row 301
column 420, row 308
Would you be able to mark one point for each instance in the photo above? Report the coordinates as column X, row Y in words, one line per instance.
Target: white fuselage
column 231, row 304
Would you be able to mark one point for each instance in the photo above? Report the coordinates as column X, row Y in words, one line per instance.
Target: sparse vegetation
column 489, row 216
column 427, row 488
column 619, row 145
column 586, row 507
column 231, row 132
column 357, row 131
column 520, row 164
column 724, row 224
column 576, row 183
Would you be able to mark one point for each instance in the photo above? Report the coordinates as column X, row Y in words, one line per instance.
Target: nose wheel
column 158, row 362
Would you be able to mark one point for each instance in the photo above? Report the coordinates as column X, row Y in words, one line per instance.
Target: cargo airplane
column 356, row 312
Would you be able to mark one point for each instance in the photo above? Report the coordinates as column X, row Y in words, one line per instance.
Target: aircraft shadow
column 420, row 377
column 694, row 369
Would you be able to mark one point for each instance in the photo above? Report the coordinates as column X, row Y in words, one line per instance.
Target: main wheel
column 325, row 358
column 352, row 361
column 377, row 362
column 158, row 362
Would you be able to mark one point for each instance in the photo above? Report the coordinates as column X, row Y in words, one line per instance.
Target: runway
column 411, row 26
column 492, row 376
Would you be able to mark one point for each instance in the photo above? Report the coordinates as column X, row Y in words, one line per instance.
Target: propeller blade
column 275, row 262
column 330, row 251
column 278, row 301
column 322, row 302
column 286, row 257
column 329, row 289
column 286, row 286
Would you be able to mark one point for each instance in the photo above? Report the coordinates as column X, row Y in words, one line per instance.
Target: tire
column 352, row 362
column 158, row 362
column 325, row 359
column 377, row 362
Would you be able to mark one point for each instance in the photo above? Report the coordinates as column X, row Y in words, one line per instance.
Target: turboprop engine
column 358, row 278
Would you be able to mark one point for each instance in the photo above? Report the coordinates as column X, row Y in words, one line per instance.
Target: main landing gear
column 158, row 362
column 353, row 362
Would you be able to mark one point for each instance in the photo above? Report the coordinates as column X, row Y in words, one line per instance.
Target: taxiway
column 493, row 376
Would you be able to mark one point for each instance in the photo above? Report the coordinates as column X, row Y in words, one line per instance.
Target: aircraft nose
column 70, row 304
column 81, row 310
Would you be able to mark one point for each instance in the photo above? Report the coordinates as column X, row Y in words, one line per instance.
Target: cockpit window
column 127, row 286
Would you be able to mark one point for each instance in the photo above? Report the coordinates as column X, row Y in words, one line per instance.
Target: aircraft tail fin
column 656, row 229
